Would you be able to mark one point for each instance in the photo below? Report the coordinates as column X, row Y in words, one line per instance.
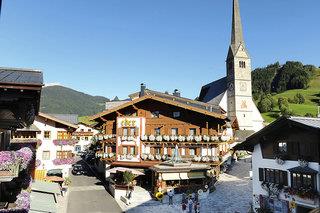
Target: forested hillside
column 59, row 99
column 289, row 89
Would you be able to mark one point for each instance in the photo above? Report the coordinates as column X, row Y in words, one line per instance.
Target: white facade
column 84, row 135
column 47, row 151
column 259, row 162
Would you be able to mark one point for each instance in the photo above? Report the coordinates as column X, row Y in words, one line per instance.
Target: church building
column 233, row 93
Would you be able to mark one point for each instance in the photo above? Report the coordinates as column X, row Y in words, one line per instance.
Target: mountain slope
column 59, row 99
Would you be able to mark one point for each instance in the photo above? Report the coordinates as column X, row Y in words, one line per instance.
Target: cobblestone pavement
column 233, row 194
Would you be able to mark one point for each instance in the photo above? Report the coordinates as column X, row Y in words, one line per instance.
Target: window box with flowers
column 65, row 142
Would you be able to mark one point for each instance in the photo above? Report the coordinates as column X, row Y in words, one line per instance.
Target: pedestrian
column 170, row 194
column 190, row 204
column 193, row 196
column 198, row 208
column 184, row 207
column 130, row 193
column 184, row 199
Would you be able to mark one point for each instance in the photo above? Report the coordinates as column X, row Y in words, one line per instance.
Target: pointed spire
column 236, row 35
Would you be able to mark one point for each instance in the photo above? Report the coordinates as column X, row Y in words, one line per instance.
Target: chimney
column 176, row 93
column 142, row 89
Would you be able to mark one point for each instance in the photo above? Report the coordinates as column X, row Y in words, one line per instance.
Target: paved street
column 87, row 194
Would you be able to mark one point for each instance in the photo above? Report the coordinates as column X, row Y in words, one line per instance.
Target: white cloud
column 52, row 84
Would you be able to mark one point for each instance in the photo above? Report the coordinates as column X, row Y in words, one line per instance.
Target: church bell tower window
column 242, row 64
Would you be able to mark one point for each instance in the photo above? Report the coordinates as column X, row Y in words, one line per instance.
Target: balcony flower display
column 224, row 138
column 158, row 156
column 198, row 138
column 25, row 155
column 7, row 159
column 159, row 138
column 164, row 157
column 152, row 138
column 206, row 138
column 62, row 142
column 151, row 157
column 64, row 161
column 124, row 138
column 303, row 193
column 172, row 138
column 214, row 138
column 144, row 137
column 144, row 156
column 23, row 200
column 189, row 138
column 166, row 137
column 130, row 138
column 181, row 138
column 111, row 155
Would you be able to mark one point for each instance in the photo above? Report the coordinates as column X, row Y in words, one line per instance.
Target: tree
column 128, row 177
column 299, row 98
column 283, row 103
column 264, row 105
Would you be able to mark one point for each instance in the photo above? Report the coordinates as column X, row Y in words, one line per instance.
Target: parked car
column 77, row 169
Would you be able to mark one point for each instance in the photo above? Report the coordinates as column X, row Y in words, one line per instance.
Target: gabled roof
column 22, row 77
column 213, row 92
column 175, row 101
column 50, row 117
column 312, row 122
column 251, row 141
column 71, row 118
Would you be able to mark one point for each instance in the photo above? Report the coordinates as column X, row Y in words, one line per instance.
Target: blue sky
column 108, row 47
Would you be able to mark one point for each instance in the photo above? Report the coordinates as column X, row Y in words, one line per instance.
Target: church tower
column 238, row 64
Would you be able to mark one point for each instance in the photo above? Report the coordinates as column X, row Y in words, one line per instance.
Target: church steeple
column 236, row 34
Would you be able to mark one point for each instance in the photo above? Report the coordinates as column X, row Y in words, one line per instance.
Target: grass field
column 312, row 100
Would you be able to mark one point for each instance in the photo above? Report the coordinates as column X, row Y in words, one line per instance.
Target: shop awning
column 184, row 176
column 196, row 175
column 170, row 176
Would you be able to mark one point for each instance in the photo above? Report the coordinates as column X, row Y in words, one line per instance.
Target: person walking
column 190, row 204
column 170, row 194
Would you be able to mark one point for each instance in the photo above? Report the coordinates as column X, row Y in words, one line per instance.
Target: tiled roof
column 181, row 100
column 70, row 118
column 20, row 76
column 313, row 122
column 213, row 92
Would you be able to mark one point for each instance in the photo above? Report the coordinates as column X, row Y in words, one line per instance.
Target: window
column 157, row 131
column 282, row 147
column 192, row 131
column 82, row 130
column 242, row 64
column 125, row 132
column 47, row 134
column 89, row 130
column 300, row 180
column 86, row 138
column 174, row 131
column 77, row 148
column 46, row 155
column 64, row 154
column 132, row 150
column 176, row 114
column 155, row 114
column 132, row 131
column 192, row 151
column 157, row 150
column 63, row 135
column 273, row 176
column 125, row 150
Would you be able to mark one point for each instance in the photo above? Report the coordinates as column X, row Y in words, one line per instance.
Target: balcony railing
column 186, row 138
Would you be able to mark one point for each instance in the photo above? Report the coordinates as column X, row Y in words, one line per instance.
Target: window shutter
column 285, row 178
column 260, row 174
column 136, row 131
column 136, row 150
column 120, row 131
column 187, row 151
column 120, row 150
column 152, row 150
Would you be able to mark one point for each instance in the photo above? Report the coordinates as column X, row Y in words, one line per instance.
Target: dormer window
column 242, row 64
column 176, row 114
column 155, row 114
column 282, row 147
